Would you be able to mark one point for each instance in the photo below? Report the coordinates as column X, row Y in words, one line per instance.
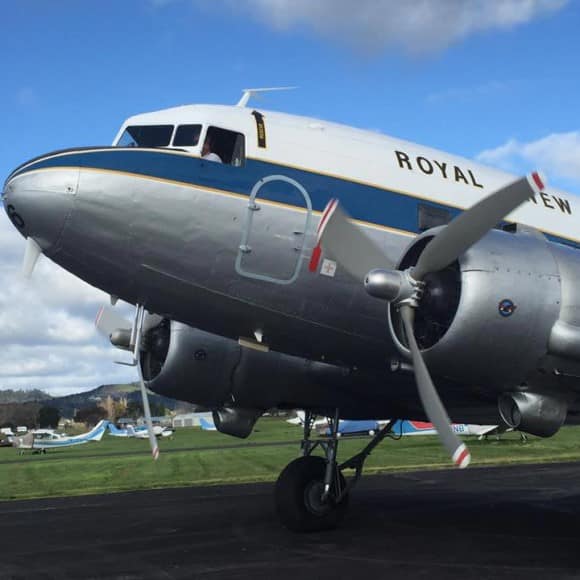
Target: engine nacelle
column 486, row 319
column 189, row 364
column 538, row 414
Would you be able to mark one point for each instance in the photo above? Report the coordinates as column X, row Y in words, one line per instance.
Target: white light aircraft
column 114, row 431
column 139, row 432
column 256, row 289
column 371, row 426
column 42, row 439
column 158, row 431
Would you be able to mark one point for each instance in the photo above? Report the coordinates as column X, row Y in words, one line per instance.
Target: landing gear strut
column 311, row 492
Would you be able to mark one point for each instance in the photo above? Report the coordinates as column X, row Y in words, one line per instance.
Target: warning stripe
column 326, row 215
column 462, row 457
column 315, row 258
column 538, row 180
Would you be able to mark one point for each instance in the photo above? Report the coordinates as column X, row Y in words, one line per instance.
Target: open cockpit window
column 225, row 146
column 146, row 136
column 187, row 136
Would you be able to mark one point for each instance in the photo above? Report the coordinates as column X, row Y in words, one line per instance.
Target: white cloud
column 47, row 333
column 558, row 155
column 417, row 27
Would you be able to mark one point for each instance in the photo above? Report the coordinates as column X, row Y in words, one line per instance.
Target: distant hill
column 32, row 395
column 19, row 406
column 68, row 404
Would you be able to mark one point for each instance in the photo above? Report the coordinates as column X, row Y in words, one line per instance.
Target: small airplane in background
column 255, row 288
column 207, row 424
column 43, row 439
column 142, row 433
column 425, row 428
column 126, row 432
column 398, row 427
column 139, row 432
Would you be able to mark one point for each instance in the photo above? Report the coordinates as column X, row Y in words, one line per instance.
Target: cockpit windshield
column 146, row 136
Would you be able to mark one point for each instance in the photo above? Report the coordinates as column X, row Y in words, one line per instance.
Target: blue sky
column 495, row 80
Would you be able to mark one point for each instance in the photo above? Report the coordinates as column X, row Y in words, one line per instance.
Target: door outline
column 244, row 247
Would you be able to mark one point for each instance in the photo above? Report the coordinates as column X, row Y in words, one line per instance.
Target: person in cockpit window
column 207, row 151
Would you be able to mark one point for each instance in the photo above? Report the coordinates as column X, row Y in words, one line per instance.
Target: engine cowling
column 486, row 319
column 189, row 364
column 538, row 414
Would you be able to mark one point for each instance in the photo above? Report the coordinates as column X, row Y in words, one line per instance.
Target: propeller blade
column 108, row 321
column 473, row 224
column 342, row 240
column 431, row 402
column 31, row 255
column 147, row 413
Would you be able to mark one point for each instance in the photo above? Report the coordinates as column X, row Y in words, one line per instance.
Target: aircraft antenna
column 249, row 93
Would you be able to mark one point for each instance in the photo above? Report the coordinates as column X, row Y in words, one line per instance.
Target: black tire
column 297, row 490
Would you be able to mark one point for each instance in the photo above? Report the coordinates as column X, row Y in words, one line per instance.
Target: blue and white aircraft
column 398, row 427
column 140, row 432
column 255, row 288
column 127, row 432
column 42, row 440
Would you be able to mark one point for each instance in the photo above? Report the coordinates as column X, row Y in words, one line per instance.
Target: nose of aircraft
column 39, row 203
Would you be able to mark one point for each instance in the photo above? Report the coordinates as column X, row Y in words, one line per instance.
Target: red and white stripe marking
column 462, row 457
column 317, row 251
column 326, row 215
column 537, row 181
column 155, row 453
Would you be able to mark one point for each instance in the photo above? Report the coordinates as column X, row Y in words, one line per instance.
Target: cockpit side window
column 228, row 145
column 187, row 136
column 146, row 136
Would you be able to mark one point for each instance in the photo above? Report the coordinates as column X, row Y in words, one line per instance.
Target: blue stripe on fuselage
column 363, row 202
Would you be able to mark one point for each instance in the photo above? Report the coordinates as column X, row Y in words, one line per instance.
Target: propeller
column 108, row 321
column 31, row 254
column 470, row 226
column 129, row 337
column 347, row 244
column 404, row 289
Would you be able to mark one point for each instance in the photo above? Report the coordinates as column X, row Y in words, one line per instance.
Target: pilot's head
column 207, row 146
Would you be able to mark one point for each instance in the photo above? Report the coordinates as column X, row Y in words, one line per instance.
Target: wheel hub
column 313, row 498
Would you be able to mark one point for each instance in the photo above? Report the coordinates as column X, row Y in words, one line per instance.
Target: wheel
column 298, row 497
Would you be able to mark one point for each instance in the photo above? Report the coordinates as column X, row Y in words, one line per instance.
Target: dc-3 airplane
column 255, row 289
column 41, row 440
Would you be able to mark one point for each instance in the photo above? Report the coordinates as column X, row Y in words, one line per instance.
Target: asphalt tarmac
column 508, row 522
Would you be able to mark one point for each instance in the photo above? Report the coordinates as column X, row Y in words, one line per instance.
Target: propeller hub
column 394, row 286
column 384, row 284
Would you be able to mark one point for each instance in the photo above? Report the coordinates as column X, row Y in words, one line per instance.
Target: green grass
column 116, row 464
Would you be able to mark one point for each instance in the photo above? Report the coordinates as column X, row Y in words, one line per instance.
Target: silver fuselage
column 228, row 249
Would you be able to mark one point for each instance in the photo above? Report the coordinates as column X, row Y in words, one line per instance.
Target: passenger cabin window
column 187, row 136
column 229, row 146
column 146, row 136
